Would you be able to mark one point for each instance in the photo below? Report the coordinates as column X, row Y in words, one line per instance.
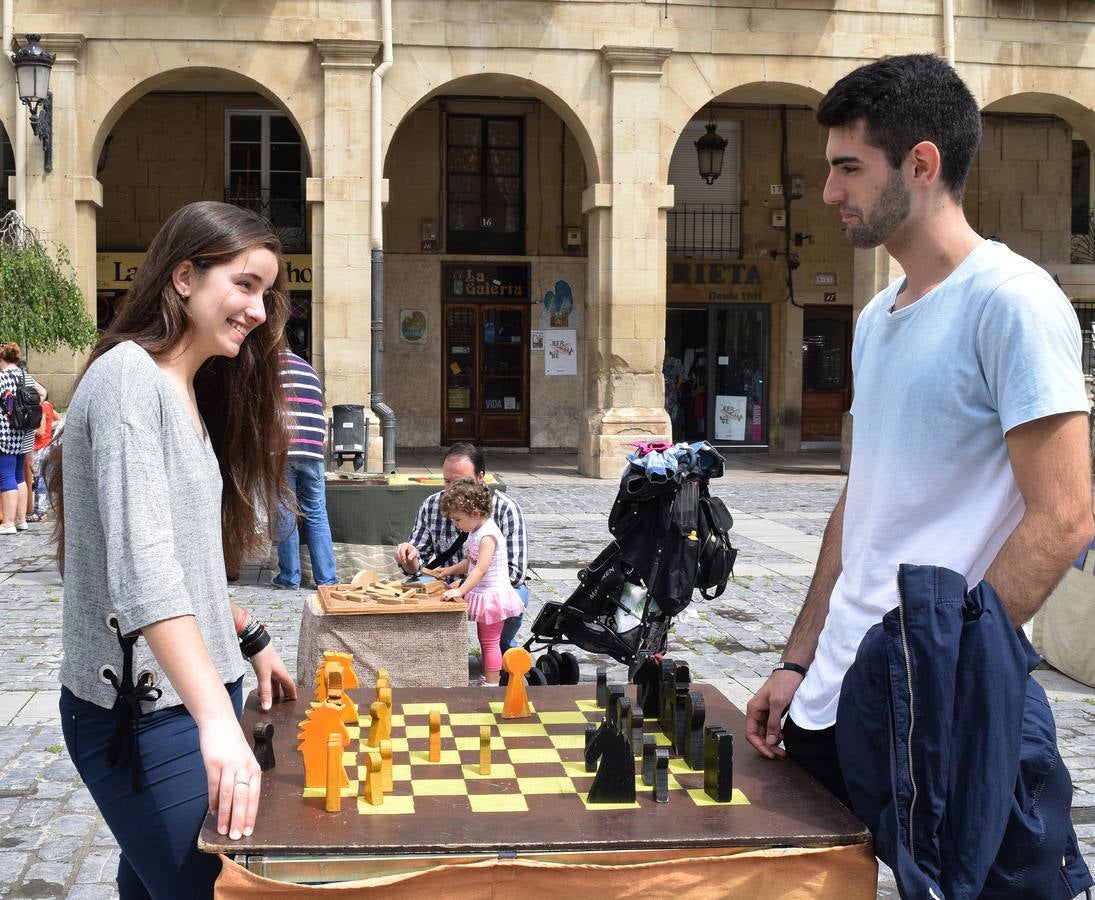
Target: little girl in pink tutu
column 487, row 589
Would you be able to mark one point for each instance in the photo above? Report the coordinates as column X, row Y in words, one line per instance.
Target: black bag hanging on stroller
column 670, row 537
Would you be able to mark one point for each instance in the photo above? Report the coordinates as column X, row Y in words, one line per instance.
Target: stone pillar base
column 604, row 441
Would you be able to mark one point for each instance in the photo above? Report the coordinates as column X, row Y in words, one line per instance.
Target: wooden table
column 422, row 645
column 450, row 824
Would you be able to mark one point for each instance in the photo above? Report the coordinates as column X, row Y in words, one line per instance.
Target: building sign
column 115, row 271
column 742, row 281
column 485, row 281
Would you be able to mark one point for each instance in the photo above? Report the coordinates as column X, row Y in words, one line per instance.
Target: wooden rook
column 435, row 735
column 679, row 734
column 376, row 723
column 384, row 695
column 516, row 661
column 694, row 714
column 591, row 734
column 650, row 744
column 264, row 744
column 718, row 764
column 648, row 685
column 374, row 779
column 667, row 692
column 386, row 782
column 615, row 692
column 615, row 778
column 637, row 723
column 661, row 775
column 334, row 770
column 484, row 749
column 602, row 687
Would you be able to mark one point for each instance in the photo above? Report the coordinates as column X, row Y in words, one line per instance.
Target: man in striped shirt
column 434, row 533
column 304, row 473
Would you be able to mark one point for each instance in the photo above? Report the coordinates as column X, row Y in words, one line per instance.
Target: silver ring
column 248, row 783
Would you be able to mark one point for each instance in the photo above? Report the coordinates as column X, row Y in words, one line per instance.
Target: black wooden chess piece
column 661, row 775
column 694, row 713
column 602, row 687
column 615, row 778
column 264, row 744
column 648, row 682
column 650, row 745
column 718, row 763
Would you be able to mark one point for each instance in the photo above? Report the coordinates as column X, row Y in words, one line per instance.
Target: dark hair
column 903, row 100
column 469, row 452
column 10, row 353
column 466, row 496
column 240, row 399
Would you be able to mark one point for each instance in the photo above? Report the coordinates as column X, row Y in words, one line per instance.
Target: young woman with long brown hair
column 172, row 451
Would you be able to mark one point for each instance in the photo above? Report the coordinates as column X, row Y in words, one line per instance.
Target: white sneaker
column 21, row 526
column 8, row 529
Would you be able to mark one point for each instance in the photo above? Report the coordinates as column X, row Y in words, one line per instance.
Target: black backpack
column 716, row 554
column 25, row 408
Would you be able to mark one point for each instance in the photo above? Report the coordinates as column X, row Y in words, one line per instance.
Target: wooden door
column 826, row 370
column 486, row 374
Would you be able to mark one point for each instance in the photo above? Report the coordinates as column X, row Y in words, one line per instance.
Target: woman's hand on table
column 275, row 682
column 233, row 775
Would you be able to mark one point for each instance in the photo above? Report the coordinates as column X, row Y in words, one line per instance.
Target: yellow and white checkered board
column 540, row 759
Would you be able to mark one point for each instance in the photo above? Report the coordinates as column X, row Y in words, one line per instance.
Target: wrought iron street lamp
column 33, row 64
column 710, row 149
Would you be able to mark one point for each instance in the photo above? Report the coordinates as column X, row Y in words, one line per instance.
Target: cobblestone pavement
column 53, row 842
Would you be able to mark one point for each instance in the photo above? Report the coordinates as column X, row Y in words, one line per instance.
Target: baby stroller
column 670, row 537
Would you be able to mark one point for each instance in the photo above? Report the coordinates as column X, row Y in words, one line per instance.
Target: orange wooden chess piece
column 384, row 695
column 376, row 723
column 322, row 722
column 335, row 773
column 435, row 735
column 516, row 662
column 386, row 765
column 484, row 749
column 374, row 787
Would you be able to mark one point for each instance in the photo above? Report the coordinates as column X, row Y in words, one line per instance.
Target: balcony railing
column 286, row 216
column 705, row 230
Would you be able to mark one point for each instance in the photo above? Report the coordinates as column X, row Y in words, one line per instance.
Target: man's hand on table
column 764, row 713
column 406, row 555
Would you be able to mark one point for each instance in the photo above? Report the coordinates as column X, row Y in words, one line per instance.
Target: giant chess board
column 534, row 799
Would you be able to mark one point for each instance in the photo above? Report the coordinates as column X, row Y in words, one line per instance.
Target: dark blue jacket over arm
column 949, row 751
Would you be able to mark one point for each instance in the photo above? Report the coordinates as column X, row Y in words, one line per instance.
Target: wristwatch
column 790, row 667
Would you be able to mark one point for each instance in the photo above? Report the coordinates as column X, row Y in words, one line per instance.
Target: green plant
column 41, row 305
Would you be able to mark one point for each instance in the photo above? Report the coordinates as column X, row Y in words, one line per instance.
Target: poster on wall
column 412, row 326
column 729, row 418
column 537, row 340
column 561, row 351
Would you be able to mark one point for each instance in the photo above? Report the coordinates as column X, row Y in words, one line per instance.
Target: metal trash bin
column 349, row 435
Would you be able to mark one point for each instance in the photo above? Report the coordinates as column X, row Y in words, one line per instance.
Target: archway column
column 341, row 230
column 61, row 204
column 625, row 335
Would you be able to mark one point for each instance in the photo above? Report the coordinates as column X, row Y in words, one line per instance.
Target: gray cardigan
column 142, row 495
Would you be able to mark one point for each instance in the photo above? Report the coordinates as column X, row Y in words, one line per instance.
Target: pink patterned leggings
column 490, row 644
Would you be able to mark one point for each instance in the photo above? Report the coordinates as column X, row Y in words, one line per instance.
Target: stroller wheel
column 535, row 677
column 569, row 670
column 548, row 664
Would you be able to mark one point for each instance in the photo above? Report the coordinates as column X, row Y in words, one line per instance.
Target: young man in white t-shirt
column 971, row 447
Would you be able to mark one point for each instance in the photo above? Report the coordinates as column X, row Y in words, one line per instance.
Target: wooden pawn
column 374, row 786
column 334, row 772
column 484, row 749
column 386, row 765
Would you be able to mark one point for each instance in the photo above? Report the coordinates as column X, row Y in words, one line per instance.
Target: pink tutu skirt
column 493, row 606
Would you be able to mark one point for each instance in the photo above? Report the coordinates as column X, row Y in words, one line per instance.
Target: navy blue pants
column 157, row 828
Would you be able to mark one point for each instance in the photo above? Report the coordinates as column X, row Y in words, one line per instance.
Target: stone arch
column 124, row 102
column 398, row 107
column 692, row 87
column 1079, row 116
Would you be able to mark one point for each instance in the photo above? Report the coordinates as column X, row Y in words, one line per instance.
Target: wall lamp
column 33, row 63
column 709, row 150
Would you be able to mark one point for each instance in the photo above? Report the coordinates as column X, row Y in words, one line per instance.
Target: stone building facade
column 547, row 239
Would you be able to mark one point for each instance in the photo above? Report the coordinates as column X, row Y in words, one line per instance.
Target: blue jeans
column 513, row 623
column 305, row 478
column 157, row 829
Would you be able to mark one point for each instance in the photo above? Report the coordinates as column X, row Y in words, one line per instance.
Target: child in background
column 43, row 435
column 487, row 589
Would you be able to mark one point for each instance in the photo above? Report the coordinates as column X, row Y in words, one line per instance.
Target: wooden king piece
column 516, row 661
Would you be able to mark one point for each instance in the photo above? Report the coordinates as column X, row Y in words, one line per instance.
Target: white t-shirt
column 937, row 385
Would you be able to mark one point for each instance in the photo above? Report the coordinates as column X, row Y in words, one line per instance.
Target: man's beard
column 889, row 211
